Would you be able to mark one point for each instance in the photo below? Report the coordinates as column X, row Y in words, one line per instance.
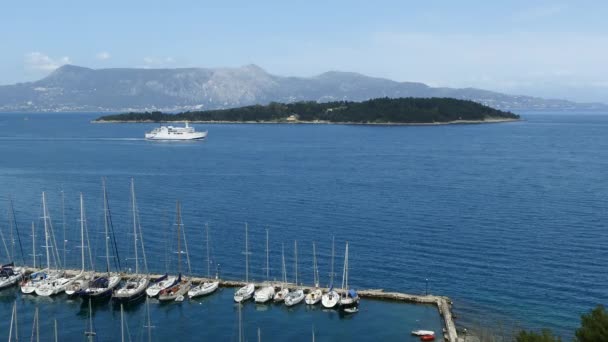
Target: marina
column 443, row 304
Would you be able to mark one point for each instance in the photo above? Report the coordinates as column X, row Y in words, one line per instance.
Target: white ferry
column 175, row 133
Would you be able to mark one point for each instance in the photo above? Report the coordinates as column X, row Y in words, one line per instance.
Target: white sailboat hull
column 132, row 289
column 314, row 297
column 280, row 295
column 175, row 291
column 294, row 297
column 264, row 294
column 155, row 289
column 330, row 300
column 53, row 287
column 204, row 289
column 244, row 293
column 10, row 281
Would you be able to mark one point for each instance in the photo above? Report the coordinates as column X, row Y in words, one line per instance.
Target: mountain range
column 73, row 88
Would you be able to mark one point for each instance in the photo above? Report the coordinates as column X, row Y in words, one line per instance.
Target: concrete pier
column 444, row 304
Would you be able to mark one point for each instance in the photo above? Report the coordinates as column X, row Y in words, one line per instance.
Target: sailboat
column 296, row 296
column 36, row 279
column 331, row 299
column 245, row 292
column 58, row 285
column 102, row 286
column 208, row 286
column 182, row 286
column 279, row 296
column 87, row 277
column 9, row 274
column 266, row 292
column 349, row 299
column 135, row 286
column 314, row 296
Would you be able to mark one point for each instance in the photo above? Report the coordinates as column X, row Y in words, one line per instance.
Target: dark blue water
column 506, row 219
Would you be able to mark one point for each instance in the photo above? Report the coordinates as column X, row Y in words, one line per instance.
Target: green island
column 376, row 111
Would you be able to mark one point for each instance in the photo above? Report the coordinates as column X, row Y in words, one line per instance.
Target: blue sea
column 508, row 220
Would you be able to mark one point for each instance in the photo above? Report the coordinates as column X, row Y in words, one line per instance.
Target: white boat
column 331, row 299
column 175, row 133
column 208, row 286
column 296, row 296
column 86, row 278
column 315, row 295
column 279, row 296
column 423, row 332
column 245, row 292
column 135, row 286
column 160, row 284
column 56, row 286
column 349, row 299
column 40, row 278
column 266, row 292
column 9, row 274
column 182, row 286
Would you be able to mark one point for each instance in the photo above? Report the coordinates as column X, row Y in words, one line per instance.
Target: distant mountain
column 72, row 88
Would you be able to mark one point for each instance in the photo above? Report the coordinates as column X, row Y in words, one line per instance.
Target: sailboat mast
column 34, row 243
column 295, row 252
column 65, row 240
column 344, row 269
column 105, row 224
column 314, row 265
column 14, row 226
column 246, row 253
column 134, row 225
column 346, row 265
column 179, row 250
column 46, row 231
column 283, row 264
column 82, row 230
column 267, row 258
column 208, row 260
column 333, row 251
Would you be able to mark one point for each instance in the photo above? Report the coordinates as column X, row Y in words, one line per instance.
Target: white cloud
column 157, row 62
column 104, row 55
column 40, row 62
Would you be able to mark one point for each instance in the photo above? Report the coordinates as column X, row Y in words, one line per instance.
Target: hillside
column 72, row 88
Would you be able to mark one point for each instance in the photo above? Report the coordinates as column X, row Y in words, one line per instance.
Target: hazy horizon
column 545, row 49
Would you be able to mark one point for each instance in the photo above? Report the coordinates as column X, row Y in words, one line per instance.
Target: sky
column 552, row 49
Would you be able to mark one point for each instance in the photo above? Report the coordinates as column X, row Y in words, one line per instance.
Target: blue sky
column 545, row 48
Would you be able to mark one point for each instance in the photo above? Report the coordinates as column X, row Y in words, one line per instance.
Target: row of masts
column 89, row 333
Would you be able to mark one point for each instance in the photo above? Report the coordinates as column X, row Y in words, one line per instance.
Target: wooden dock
column 444, row 304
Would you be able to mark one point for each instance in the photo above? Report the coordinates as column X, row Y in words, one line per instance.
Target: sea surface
column 508, row 220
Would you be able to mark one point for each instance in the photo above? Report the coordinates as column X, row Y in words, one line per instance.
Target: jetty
column 444, row 304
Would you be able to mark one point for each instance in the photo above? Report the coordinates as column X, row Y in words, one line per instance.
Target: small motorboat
column 423, row 332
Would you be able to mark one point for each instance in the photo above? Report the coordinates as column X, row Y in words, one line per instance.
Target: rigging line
column 111, row 225
column 14, row 220
column 8, row 254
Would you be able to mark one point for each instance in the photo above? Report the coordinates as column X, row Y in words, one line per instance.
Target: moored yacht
column 175, row 133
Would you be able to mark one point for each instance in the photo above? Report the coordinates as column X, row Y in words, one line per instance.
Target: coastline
column 454, row 122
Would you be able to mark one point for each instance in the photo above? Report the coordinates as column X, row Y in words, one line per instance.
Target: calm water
column 509, row 220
